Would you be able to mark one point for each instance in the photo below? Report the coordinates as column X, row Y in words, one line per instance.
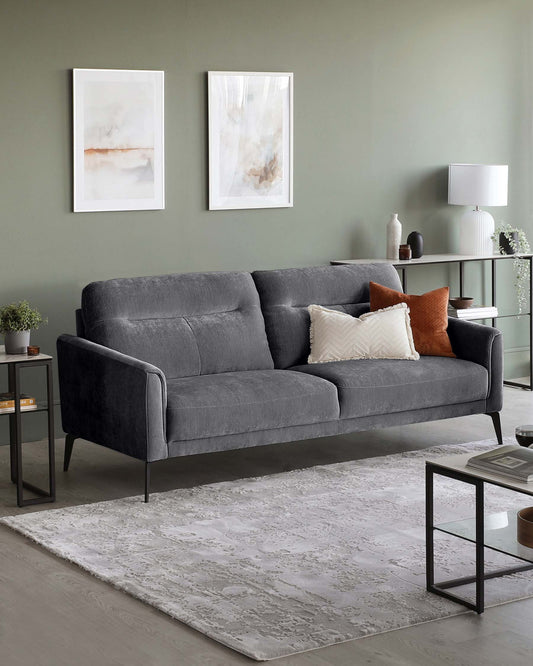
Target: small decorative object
column 461, row 303
column 524, row 435
column 524, row 527
column 477, row 185
column 394, row 237
column 33, row 350
column 250, row 140
column 404, row 252
column 416, row 241
column 512, row 240
column 118, row 140
column 508, row 242
column 16, row 322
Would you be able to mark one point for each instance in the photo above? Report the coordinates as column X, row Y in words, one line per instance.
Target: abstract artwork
column 118, row 140
column 250, row 140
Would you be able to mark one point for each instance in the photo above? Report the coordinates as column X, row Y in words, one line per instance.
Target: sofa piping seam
column 196, row 344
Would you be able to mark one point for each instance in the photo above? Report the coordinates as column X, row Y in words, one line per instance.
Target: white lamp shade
column 477, row 184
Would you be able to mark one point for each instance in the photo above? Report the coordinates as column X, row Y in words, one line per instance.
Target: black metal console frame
column 481, row 575
column 401, row 267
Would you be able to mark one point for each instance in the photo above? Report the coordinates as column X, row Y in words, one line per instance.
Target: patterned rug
column 282, row 564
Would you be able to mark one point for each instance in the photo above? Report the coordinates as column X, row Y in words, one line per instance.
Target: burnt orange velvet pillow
column 429, row 316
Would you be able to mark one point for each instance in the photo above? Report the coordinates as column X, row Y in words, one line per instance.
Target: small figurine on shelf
column 416, row 241
column 404, row 252
column 16, row 322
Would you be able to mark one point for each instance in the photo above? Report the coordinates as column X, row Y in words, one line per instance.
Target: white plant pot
column 17, row 342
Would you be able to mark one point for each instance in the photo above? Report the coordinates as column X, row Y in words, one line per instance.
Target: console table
column 460, row 260
column 14, row 363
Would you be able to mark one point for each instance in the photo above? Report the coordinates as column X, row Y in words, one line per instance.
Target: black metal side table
column 14, row 363
column 496, row 532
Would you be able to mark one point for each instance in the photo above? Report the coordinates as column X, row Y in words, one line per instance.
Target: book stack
column 475, row 312
column 7, row 403
column 514, row 462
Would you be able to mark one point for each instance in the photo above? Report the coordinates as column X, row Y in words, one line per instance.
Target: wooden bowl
column 461, row 303
column 524, row 527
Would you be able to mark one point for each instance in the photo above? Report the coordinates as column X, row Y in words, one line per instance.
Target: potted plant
column 16, row 322
column 512, row 240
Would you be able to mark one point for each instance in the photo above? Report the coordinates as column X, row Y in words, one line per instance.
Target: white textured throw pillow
column 337, row 336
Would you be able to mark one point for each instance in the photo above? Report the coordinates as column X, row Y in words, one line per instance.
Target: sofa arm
column 483, row 345
column 112, row 399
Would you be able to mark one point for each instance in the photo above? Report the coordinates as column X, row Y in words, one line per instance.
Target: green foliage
column 520, row 245
column 20, row 317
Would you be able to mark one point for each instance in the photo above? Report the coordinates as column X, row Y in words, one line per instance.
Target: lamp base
column 477, row 227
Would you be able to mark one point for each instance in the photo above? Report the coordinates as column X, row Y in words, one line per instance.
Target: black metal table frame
column 481, row 575
column 15, row 435
column 493, row 259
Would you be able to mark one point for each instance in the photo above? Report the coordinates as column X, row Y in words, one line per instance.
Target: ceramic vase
column 416, row 241
column 16, row 342
column 394, row 237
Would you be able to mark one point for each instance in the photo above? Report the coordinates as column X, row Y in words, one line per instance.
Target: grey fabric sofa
column 177, row 365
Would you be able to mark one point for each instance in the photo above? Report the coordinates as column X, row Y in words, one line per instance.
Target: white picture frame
column 250, row 140
column 118, row 142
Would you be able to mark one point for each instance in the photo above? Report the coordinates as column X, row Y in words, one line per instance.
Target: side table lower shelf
column 496, row 532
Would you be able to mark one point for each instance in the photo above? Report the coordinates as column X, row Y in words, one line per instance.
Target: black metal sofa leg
column 146, row 481
column 69, row 443
column 495, row 416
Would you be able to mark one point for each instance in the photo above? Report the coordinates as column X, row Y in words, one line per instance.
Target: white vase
column 16, row 342
column 394, row 237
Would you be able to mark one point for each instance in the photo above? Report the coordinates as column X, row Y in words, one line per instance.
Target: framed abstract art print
column 250, row 140
column 118, row 140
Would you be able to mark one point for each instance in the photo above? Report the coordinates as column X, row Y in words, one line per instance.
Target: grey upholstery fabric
column 234, row 402
column 112, row 399
column 80, row 328
column 285, row 295
column 186, row 325
column 368, row 387
column 483, row 345
column 203, row 335
column 338, row 427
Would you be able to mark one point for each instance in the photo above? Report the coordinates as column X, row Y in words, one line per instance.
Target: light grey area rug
column 286, row 563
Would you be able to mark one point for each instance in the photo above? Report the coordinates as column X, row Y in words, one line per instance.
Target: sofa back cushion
column 186, row 324
column 285, row 295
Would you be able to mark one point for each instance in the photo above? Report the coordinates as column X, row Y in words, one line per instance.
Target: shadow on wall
column 426, row 200
column 428, row 190
column 427, row 195
column 362, row 242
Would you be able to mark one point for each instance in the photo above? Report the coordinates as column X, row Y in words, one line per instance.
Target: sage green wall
column 387, row 93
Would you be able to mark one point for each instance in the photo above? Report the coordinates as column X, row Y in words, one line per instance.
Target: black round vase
column 416, row 242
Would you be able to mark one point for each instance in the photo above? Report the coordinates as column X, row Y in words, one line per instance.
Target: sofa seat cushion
column 368, row 387
column 236, row 402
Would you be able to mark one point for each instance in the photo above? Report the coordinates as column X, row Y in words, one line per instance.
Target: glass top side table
column 14, row 363
column 496, row 532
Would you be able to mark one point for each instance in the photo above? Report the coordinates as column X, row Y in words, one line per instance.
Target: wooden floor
column 53, row 614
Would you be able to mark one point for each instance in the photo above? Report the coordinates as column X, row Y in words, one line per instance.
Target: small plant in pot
column 16, row 322
column 512, row 240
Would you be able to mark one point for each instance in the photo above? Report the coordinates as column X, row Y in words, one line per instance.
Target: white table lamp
column 477, row 185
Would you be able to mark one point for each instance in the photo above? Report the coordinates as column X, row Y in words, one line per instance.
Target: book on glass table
column 474, row 312
column 514, row 462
